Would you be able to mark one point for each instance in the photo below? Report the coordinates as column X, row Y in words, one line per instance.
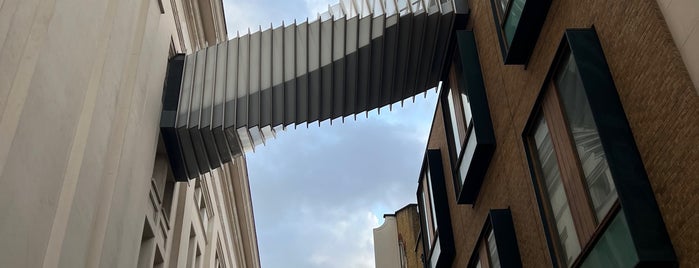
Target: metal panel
column 351, row 67
column 245, row 139
column 301, row 73
column 195, row 113
column 243, row 82
column 257, row 137
column 208, row 91
column 416, row 49
column 289, row 74
column 186, row 92
column 314, row 75
column 266, row 78
column 230, row 109
column 443, row 39
column 255, row 77
column 183, row 118
column 326, row 69
column 364, row 63
column 427, row 55
column 404, row 46
column 389, row 61
column 377, row 48
column 197, row 89
column 357, row 56
column 231, row 83
column 278, row 76
column 207, row 108
column 219, row 97
column 218, row 114
column 338, row 67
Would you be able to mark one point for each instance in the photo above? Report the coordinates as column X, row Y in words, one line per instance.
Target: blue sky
column 319, row 191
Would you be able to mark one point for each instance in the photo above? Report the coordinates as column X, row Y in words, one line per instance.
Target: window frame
column 466, row 79
column 498, row 222
column 443, row 237
column 635, row 195
column 519, row 50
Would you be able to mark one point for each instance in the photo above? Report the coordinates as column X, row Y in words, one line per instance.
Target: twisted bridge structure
column 360, row 55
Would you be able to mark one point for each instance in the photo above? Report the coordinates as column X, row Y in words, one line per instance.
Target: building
column 397, row 241
column 565, row 137
column 84, row 180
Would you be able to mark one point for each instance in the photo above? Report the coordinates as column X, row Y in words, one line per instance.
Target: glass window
column 511, row 19
column 615, row 248
column 454, row 121
column 462, row 131
column 503, row 5
column 587, row 142
column 493, row 251
column 592, row 218
column 467, row 109
column 579, row 189
column 437, row 240
column 558, row 201
column 431, row 194
column 426, row 222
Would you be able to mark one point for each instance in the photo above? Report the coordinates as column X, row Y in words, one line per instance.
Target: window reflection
column 493, row 251
column 556, row 193
column 587, row 141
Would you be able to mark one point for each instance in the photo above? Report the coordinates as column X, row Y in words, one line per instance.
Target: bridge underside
column 360, row 55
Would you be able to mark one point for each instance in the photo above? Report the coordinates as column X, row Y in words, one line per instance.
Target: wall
column 222, row 230
column 682, row 17
column 408, row 227
column 80, row 101
column 386, row 254
column 657, row 95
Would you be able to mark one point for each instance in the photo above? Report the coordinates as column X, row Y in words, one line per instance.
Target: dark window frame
column 526, row 34
column 444, row 235
column 500, row 222
column 467, row 79
column 635, row 194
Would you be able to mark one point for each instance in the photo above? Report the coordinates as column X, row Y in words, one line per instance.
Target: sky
column 318, row 192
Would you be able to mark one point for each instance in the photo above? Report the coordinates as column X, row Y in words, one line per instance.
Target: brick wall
column 408, row 222
column 657, row 95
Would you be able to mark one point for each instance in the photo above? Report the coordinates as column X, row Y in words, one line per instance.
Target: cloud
column 317, row 6
column 242, row 15
column 318, row 192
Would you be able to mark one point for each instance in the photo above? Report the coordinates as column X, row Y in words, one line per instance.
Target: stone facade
column 80, row 100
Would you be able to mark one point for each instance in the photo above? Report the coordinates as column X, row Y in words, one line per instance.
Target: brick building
column 565, row 136
column 397, row 241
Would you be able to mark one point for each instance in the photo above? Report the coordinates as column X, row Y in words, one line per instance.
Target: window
column 518, row 23
column 435, row 222
column 200, row 199
column 467, row 119
column 593, row 193
column 497, row 244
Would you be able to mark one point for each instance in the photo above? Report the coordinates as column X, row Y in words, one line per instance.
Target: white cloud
column 318, row 192
column 351, row 242
column 317, row 6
